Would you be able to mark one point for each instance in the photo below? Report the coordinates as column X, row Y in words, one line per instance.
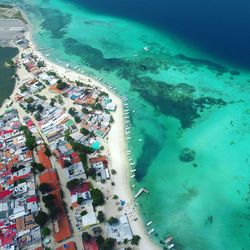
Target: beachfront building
column 121, row 230
column 82, row 193
column 100, row 166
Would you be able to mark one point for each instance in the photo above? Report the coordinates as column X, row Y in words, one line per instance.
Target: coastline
column 116, row 141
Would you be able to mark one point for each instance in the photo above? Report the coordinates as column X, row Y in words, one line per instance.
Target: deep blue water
column 218, row 27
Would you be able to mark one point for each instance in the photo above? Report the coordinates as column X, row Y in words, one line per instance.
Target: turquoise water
column 182, row 98
column 7, row 82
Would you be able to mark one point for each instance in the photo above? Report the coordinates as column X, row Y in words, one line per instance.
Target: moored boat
column 151, row 231
column 171, row 246
column 168, row 239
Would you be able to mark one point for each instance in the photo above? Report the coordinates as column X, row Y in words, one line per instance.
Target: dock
column 142, row 190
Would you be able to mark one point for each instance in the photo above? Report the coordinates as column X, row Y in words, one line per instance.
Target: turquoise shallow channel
column 190, row 126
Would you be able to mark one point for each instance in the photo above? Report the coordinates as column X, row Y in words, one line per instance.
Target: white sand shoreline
column 117, row 143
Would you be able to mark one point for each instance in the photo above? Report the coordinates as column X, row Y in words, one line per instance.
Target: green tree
column 30, row 139
column 48, row 198
column 41, row 218
column 38, row 166
column 109, row 244
column 40, row 64
column 66, row 163
column 113, row 221
column 101, row 216
column 80, row 200
column 37, row 116
column 135, row 240
column 115, row 197
column 86, row 236
column 44, row 188
column 91, row 172
column 61, row 85
column 113, row 171
column 78, row 119
column 97, row 196
column 84, row 131
column 100, row 241
column 73, row 183
column 72, row 111
column 84, row 213
column 39, row 107
column 46, row 231
column 47, row 150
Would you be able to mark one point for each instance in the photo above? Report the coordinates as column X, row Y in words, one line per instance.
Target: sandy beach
column 117, row 145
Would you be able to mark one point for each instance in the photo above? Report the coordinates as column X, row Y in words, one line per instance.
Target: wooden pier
column 142, row 190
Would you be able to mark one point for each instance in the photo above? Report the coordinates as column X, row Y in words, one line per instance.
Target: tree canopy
column 41, row 218
column 97, row 196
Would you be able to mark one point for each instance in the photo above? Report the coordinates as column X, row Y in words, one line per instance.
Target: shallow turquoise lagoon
column 181, row 98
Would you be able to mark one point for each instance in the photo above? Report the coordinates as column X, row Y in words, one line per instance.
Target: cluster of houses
column 52, row 120
column 80, row 196
column 96, row 107
column 18, row 199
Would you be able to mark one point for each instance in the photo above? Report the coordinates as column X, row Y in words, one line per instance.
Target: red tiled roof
column 43, row 158
column 62, row 221
column 98, row 159
column 74, row 155
column 30, row 123
column 5, row 193
column 69, row 246
column 84, row 187
column 16, row 178
column 32, row 199
column 39, row 248
column 51, row 178
column 90, row 245
column 7, row 236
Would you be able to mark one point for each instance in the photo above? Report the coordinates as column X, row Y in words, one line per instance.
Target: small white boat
column 140, row 140
column 149, row 223
column 132, row 176
column 146, row 48
column 133, row 170
column 151, row 231
column 133, row 185
column 171, row 246
column 168, row 239
column 132, row 164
